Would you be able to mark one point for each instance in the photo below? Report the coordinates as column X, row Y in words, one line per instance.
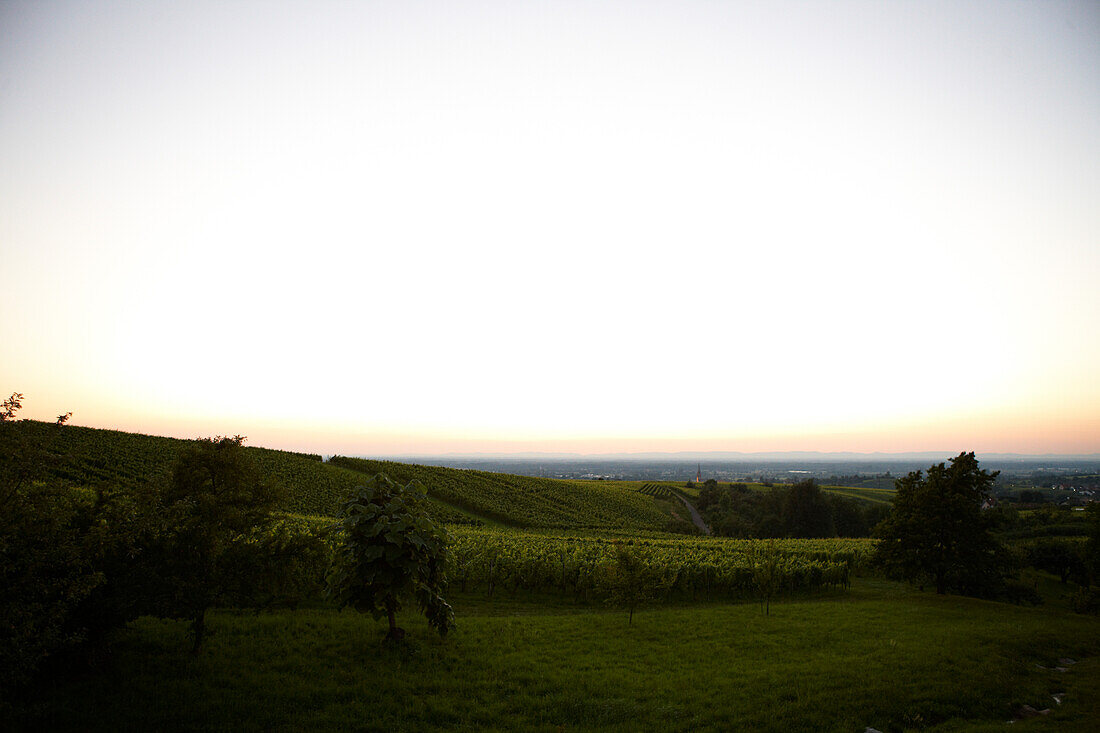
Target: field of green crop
column 693, row 567
column 524, row 501
column 91, row 456
column 662, row 491
column 875, row 495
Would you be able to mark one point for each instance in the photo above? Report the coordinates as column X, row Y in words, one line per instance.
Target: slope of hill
column 91, row 456
column 525, row 501
column 868, row 494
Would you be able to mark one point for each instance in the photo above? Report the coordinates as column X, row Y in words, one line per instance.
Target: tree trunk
column 630, row 622
column 396, row 633
column 198, row 629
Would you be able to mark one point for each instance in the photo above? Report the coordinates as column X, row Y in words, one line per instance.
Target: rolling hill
column 92, row 456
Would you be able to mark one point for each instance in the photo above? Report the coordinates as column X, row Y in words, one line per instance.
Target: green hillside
column 525, row 501
column 862, row 493
column 91, row 456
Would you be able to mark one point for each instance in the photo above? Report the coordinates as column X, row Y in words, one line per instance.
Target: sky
column 406, row 227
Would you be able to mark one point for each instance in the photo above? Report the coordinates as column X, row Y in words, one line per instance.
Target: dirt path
column 694, row 515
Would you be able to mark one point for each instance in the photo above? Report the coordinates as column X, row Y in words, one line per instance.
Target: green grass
column 882, row 656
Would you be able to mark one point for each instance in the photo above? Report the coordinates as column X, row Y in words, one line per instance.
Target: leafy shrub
column 390, row 551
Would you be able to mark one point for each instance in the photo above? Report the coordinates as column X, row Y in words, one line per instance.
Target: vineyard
column 693, row 568
column 524, row 501
column 89, row 456
column 661, row 491
column 92, row 457
column 873, row 495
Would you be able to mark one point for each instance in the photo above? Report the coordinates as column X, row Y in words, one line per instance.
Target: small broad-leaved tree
column 630, row 581
column 390, row 552
column 215, row 505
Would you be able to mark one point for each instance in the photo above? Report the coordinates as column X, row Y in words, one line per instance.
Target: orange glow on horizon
column 995, row 433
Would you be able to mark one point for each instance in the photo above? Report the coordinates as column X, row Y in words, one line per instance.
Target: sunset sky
column 404, row 227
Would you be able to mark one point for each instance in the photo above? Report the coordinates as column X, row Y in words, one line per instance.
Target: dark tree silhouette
column 938, row 533
column 215, row 503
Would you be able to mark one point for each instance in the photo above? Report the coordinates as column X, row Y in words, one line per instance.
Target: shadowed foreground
column 883, row 656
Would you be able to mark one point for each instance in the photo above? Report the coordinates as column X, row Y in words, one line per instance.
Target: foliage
column 43, row 573
column 631, row 581
column 767, row 573
column 120, row 532
column 215, row 505
column 390, row 550
column 1063, row 558
column 70, row 557
column 44, row 576
column 281, row 566
column 806, row 512
column 799, row 510
column 937, row 532
column 693, row 566
column 10, row 406
column 1092, row 545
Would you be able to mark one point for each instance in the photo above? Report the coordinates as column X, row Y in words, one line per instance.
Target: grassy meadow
column 882, row 655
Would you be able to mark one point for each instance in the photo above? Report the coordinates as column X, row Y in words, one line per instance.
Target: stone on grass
column 1026, row 711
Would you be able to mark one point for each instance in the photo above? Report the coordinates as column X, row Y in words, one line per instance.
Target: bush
column 1086, row 600
column 44, row 575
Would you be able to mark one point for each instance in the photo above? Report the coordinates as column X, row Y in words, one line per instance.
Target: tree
column 215, row 503
column 44, row 575
column 805, row 511
column 1062, row 558
column 10, row 406
column 46, row 572
column 937, row 531
column 391, row 551
column 630, row 581
column 1087, row 599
